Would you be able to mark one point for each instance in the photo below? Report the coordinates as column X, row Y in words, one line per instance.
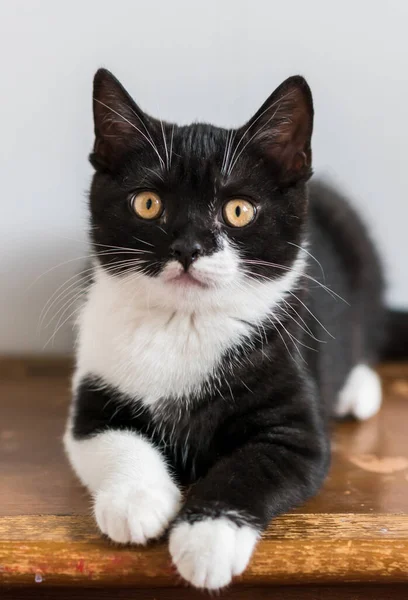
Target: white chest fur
column 149, row 346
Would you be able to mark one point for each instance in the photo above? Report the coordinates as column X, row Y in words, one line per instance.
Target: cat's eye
column 238, row 213
column 147, row 205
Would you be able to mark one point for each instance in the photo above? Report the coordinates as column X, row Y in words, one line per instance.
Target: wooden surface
column 355, row 530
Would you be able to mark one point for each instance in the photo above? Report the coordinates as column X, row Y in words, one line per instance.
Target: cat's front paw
column 129, row 514
column 209, row 552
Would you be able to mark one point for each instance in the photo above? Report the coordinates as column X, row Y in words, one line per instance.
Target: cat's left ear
column 120, row 124
column 282, row 130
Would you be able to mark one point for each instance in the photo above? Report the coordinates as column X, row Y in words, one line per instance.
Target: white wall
column 216, row 60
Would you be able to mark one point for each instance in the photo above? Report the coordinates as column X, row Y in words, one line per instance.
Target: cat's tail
column 396, row 339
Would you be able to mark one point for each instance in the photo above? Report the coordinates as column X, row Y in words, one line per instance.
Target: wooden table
column 349, row 542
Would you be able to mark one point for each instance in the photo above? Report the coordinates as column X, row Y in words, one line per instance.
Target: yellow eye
column 238, row 213
column 147, row 205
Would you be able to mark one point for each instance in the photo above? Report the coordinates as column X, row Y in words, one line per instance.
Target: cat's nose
column 186, row 252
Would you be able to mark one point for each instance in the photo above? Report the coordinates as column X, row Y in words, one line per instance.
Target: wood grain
column 62, row 550
column 78, row 528
column 354, row 531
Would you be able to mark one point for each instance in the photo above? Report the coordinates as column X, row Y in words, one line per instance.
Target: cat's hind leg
column 361, row 394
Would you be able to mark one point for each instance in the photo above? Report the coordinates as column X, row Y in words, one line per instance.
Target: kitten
column 231, row 313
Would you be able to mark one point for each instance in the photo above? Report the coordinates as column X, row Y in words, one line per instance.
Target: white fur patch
column 209, row 553
column 134, row 495
column 152, row 338
column 361, row 395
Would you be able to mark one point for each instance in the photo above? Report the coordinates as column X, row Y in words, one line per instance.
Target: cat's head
column 196, row 209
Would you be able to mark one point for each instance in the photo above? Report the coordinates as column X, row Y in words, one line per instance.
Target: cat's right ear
column 282, row 130
column 120, row 125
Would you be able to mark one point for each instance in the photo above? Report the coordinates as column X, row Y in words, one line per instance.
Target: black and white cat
column 231, row 312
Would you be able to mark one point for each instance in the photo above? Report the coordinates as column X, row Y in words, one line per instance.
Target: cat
column 233, row 309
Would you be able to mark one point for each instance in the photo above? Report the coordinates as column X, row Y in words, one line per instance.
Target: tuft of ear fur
column 282, row 130
column 119, row 123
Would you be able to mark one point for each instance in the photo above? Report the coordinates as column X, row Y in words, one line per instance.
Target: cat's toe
column 208, row 553
column 134, row 515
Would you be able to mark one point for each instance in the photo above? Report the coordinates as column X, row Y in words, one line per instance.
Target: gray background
column 185, row 60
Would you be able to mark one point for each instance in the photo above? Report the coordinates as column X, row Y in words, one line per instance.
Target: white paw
column 361, row 395
column 129, row 514
column 209, row 553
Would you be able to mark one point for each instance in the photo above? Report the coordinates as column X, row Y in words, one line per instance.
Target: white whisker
column 73, row 301
column 311, row 314
column 311, row 256
column 53, row 300
column 305, row 329
column 85, row 257
column 165, row 144
column 143, row 242
column 227, row 142
column 171, row 143
column 158, row 175
column 305, row 275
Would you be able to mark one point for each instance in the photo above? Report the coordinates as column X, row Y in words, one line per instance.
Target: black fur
column 259, row 444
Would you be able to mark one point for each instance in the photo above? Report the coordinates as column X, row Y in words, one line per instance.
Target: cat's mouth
column 177, row 276
column 186, row 279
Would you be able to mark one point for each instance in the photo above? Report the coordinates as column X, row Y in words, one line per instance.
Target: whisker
column 63, row 237
column 282, row 338
column 305, row 329
column 290, row 307
column 171, row 143
column 112, row 269
column 143, row 242
column 134, row 250
column 61, row 324
column 158, row 175
column 66, row 262
column 305, row 275
column 229, row 133
column 145, row 128
column 228, row 159
column 311, row 314
column 59, row 327
column 165, row 144
column 65, row 307
column 311, row 256
column 306, row 307
column 294, row 339
column 53, row 300
column 88, row 257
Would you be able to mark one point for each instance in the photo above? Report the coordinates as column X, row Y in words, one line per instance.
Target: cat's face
column 199, row 208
